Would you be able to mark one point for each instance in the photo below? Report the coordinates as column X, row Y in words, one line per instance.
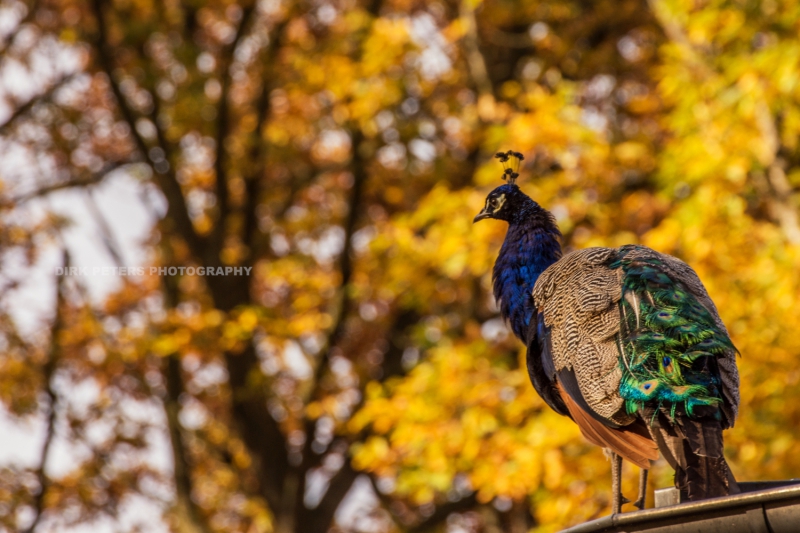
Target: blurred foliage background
column 340, row 148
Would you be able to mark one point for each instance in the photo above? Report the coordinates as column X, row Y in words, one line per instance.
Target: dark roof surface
column 767, row 506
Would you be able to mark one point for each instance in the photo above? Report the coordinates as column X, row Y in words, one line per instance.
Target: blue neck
column 530, row 247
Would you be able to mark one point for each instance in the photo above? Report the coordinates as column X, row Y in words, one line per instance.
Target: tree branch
column 507, row 39
column 259, row 431
column 475, row 60
column 94, row 179
column 391, row 366
column 676, row 34
column 187, row 509
column 258, row 152
column 27, row 106
column 779, row 190
column 342, row 303
column 319, row 519
column 223, row 129
column 106, row 235
column 443, row 511
column 48, row 370
column 177, row 211
column 341, row 309
column 9, row 40
column 189, row 514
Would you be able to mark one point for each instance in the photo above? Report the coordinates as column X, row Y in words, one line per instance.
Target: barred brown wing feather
column 579, row 298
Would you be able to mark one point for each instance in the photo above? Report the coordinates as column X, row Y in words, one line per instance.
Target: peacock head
column 507, row 202
column 504, row 203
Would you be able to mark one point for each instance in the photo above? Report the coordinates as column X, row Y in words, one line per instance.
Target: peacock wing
column 578, row 298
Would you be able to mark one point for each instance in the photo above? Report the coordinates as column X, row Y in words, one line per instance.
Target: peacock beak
column 480, row 216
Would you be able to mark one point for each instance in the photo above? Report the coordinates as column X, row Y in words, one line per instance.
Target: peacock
column 624, row 341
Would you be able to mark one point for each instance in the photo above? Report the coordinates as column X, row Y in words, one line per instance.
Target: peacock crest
column 511, row 161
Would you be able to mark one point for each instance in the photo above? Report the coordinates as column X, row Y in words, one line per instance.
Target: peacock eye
column 493, row 202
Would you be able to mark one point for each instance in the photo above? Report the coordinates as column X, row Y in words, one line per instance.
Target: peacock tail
column 668, row 342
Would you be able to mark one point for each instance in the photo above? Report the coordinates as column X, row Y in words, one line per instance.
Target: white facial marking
column 500, row 201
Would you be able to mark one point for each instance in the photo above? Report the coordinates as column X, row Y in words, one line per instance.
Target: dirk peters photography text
column 152, row 271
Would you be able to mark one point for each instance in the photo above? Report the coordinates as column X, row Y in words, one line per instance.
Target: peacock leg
column 639, row 503
column 617, row 499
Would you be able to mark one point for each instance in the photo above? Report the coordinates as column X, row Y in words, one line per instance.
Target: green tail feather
column 666, row 341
